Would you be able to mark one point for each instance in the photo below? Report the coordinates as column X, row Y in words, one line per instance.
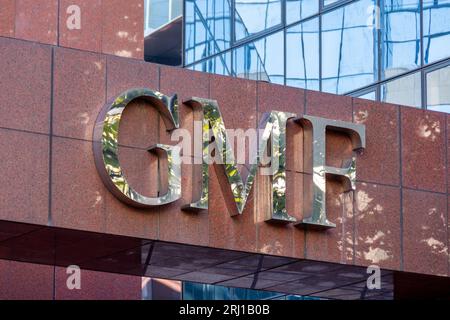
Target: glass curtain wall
column 159, row 12
column 199, row 291
column 387, row 50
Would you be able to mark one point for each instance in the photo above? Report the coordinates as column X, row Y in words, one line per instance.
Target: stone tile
column 334, row 244
column 280, row 98
column 238, row 232
column 186, row 84
column 141, row 170
column 140, row 121
column 237, row 101
column 379, row 162
column 98, row 286
column 330, row 106
column 125, row 74
column 425, row 232
column 274, row 238
column 139, row 125
column 294, row 147
column 423, row 149
column 25, row 163
column 26, row 93
column 25, row 281
column 37, row 20
column 190, row 227
column 448, row 153
column 79, row 92
column 339, row 150
column 295, row 203
column 78, row 194
column 273, row 97
column 7, row 18
column 87, row 37
column 123, row 30
column 377, row 226
column 227, row 232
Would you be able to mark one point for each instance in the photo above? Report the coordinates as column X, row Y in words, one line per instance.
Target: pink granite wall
column 54, row 82
column 28, row 281
column 106, row 26
column 397, row 217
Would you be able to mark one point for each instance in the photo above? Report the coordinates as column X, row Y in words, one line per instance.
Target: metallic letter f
column 316, row 128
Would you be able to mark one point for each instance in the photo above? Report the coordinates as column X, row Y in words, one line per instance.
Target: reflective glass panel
column 400, row 36
column 197, row 291
column 207, row 28
column 220, row 64
column 349, row 50
column 405, row 91
column 159, row 13
column 253, row 16
column 368, row 95
column 302, row 55
column 328, row 2
column 246, row 294
column 261, row 60
column 436, row 30
column 176, row 8
column 297, row 10
column 438, row 90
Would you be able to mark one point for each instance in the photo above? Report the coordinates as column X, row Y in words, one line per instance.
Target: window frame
column 432, row 68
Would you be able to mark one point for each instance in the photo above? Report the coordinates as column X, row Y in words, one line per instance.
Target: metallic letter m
column 273, row 128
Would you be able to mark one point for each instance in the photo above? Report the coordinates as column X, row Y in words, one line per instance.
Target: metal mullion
column 339, row 3
column 362, row 92
column 233, row 21
column 426, row 71
column 258, row 35
column 430, row 67
column 320, row 51
column 232, row 36
column 183, row 34
column 381, row 23
column 422, row 57
column 284, row 45
column 422, row 60
column 283, row 22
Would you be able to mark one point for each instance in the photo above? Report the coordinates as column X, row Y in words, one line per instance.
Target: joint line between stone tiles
column 102, row 29
column 104, row 203
column 446, row 183
column 256, row 191
column 158, row 229
column 15, row 18
column 353, row 200
column 24, row 131
column 50, row 152
column 399, row 117
column 58, row 22
column 54, row 282
column 106, row 55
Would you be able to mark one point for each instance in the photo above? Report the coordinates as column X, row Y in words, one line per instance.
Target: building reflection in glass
column 342, row 47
